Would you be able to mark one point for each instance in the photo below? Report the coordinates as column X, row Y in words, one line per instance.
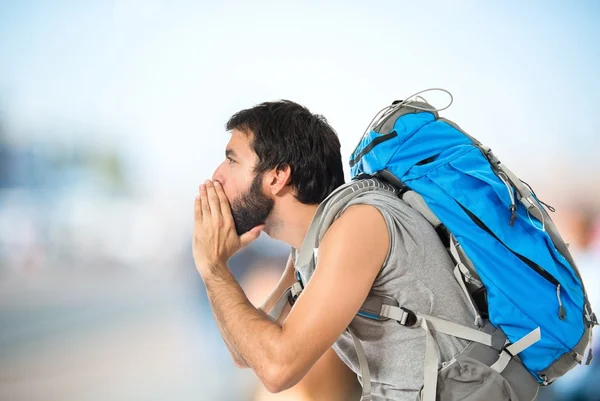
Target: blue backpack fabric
column 530, row 279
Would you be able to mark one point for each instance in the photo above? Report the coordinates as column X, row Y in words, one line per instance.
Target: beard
column 251, row 208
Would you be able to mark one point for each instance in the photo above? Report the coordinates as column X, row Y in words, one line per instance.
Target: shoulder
column 358, row 215
column 360, row 228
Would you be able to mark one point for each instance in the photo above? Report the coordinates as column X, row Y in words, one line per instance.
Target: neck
column 290, row 222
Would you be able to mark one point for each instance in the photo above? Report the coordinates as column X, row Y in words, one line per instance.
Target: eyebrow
column 230, row 153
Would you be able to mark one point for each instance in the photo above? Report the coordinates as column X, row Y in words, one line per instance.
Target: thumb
column 251, row 235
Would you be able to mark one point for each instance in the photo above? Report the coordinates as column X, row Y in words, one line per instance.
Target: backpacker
column 510, row 259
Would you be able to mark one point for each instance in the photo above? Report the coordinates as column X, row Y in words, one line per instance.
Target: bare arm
column 237, row 358
column 329, row 379
column 282, row 355
column 286, row 280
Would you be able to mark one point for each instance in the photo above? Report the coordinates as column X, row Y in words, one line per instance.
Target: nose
column 217, row 175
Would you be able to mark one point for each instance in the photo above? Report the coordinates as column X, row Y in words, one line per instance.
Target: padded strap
column 306, row 252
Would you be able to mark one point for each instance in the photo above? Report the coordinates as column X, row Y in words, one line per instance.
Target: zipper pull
column 562, row 314
column 513, row 206
column 513, row 214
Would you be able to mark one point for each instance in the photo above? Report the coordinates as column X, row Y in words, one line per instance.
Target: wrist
column 208, row 269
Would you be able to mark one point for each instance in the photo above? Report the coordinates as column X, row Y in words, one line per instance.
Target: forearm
column 237, row 358
column 251, row 334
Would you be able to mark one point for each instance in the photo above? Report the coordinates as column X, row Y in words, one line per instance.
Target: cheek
column 235, row 181
column 232, row 187
column 231, row 193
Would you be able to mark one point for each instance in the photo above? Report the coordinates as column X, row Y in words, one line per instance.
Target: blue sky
column 161, row 78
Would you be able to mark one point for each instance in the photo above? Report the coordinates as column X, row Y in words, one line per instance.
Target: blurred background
column 113, row 111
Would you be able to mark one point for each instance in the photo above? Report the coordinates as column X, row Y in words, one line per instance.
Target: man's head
column 276, row 149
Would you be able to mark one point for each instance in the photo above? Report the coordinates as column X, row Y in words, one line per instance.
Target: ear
column 279, row 178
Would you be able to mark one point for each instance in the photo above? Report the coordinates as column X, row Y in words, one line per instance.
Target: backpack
column 511, row 262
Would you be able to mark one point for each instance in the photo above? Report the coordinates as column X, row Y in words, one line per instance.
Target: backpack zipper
column 371, row 145
column 562, row 314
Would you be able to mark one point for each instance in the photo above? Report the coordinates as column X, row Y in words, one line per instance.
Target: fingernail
column 217, row 184
column 202, row 187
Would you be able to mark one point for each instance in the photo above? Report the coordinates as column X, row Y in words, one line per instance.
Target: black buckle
column 292, row 298
column 505, row 349
column 362, row 176
column 411, row 319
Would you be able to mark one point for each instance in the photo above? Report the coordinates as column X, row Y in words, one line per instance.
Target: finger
column 251, row 235
column 197, row 209
column 204, row 202
column 223, row 201
column 213, row 200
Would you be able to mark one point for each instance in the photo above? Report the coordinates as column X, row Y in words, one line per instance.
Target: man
column 281, row 162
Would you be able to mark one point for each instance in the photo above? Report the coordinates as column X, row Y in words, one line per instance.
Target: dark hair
column 286, row 133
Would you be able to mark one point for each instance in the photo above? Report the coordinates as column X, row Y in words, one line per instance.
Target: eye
column 230, row 160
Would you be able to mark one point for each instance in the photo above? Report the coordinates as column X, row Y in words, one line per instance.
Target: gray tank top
column 418, row 273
